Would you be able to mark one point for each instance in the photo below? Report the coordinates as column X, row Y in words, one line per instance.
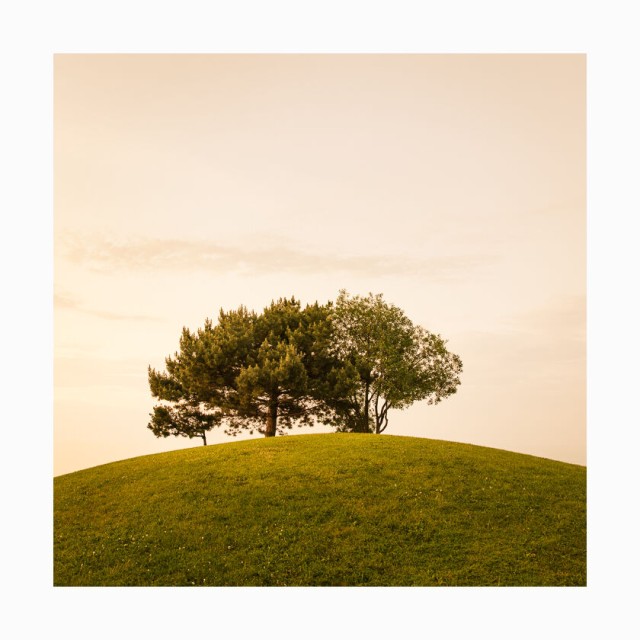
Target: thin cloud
column 87, row 371
column 63, row 301
column 102, row 254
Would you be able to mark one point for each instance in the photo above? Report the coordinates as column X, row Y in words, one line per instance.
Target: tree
column 387, row 363
column 346, row 364
column 183, row 419
column 272, row 388
column 197, row 388
column 248, row 371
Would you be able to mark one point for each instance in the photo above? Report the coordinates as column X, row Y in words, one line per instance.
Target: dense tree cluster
column 345, row 364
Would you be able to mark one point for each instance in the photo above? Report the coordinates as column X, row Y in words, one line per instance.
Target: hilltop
column 326, row 509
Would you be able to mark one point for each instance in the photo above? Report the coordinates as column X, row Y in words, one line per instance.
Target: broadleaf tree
column 387, row 363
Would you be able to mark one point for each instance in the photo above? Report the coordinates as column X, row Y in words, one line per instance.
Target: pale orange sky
column 453, row 184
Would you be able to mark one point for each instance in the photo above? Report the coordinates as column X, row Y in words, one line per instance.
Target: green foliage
column 251, row 371
column 346, row 365
column 388, row 363
column 183, row 419
column 465, row 516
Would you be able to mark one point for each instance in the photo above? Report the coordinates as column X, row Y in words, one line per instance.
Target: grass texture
column 326, row 509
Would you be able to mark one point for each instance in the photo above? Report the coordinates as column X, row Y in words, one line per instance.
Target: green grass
column 330, row 509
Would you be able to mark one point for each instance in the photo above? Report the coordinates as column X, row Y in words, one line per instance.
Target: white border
column 30, row 32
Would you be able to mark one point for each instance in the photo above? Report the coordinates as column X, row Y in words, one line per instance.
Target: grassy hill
column 327, row 509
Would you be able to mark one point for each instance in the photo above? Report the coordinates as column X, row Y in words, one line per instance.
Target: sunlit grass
column 330, row 509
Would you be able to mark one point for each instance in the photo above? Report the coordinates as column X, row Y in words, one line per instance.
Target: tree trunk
column 382, row 417
column 365, row 418
column 204, row 438
column 272, row 417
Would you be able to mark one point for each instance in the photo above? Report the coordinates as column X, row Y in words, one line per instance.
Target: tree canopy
column 248, row 371
column 345, row 364
column 388, row 362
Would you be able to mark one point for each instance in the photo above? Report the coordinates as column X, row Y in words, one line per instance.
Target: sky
column 455, row 185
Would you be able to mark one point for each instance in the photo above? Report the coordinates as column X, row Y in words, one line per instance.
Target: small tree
column 182, row 419
column 387, row 363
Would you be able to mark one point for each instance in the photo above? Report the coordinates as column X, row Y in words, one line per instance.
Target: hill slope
column 329, row 509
